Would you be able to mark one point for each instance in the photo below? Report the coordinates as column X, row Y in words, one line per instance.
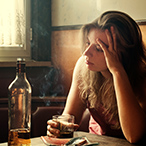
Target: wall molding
column 66, row 27
column 141, row 22
column 77, row 27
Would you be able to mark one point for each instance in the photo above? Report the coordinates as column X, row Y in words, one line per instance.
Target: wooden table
column 102, row 140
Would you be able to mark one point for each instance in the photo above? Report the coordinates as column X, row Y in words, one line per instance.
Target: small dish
column 49, row 141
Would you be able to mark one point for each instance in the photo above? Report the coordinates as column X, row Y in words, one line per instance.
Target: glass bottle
column 19, row 108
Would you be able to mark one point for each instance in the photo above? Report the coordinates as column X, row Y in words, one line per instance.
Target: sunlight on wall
column 76, row 12
column 72, row 12
column 135, row 8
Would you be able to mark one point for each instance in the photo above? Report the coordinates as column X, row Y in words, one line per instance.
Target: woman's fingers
column 53, row 123
column 111, row 37
column 53, row 127
column 102, row 45
column 110, row 40
column 76, row 126
column 49, row 133
column 52, row 130
column 114, row 38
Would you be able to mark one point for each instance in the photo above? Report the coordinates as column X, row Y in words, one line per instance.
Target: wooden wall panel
column 65, row 53
column 143, row 30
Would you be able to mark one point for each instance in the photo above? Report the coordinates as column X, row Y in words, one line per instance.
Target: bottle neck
column 21, row 69
column 21, row 75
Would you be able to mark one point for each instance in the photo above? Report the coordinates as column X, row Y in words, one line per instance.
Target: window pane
column 14, row 28
column 12, row 22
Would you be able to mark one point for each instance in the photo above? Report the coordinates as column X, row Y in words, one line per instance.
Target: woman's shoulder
column 80, row 61
column 78, row 71
column 78, row 64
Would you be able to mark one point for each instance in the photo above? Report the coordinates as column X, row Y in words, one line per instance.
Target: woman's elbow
column 133, row 139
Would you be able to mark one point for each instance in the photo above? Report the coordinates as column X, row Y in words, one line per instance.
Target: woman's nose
column 88, row 51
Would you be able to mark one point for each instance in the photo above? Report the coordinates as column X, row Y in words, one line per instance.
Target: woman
column 110, row 78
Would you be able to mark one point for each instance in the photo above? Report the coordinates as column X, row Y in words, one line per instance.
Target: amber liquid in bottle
column 19, row 137
column 19, row 112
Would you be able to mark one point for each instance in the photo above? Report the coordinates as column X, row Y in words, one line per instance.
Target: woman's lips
column 88, row 63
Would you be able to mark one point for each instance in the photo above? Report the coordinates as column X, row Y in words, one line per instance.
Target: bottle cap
column 21, row 59
column 20, row 65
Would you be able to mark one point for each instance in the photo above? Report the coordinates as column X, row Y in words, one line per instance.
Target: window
column 14, row 29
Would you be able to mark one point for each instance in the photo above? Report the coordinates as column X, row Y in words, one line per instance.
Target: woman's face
column 94, row 56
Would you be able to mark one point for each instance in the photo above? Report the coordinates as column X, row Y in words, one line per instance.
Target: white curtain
column 12, row 22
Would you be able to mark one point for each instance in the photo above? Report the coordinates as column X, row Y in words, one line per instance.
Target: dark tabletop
column 102, row 140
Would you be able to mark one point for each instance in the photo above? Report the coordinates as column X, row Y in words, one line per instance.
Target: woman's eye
column 98, row 48
column 87, row 44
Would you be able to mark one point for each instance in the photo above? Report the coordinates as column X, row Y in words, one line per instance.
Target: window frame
column 11, row 53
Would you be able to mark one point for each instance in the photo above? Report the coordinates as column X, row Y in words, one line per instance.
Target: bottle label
column 20, row 108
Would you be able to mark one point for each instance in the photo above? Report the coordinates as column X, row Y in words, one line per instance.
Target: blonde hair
column 93, row 86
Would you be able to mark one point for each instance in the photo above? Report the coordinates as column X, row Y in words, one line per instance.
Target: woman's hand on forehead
column 110, row 50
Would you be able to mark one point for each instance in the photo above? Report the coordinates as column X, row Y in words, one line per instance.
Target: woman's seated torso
column 98, row 123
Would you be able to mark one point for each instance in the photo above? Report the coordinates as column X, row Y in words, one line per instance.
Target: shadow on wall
column 47, row 83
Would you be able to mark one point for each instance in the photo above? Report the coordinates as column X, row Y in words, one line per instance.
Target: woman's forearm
column 131, row 115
